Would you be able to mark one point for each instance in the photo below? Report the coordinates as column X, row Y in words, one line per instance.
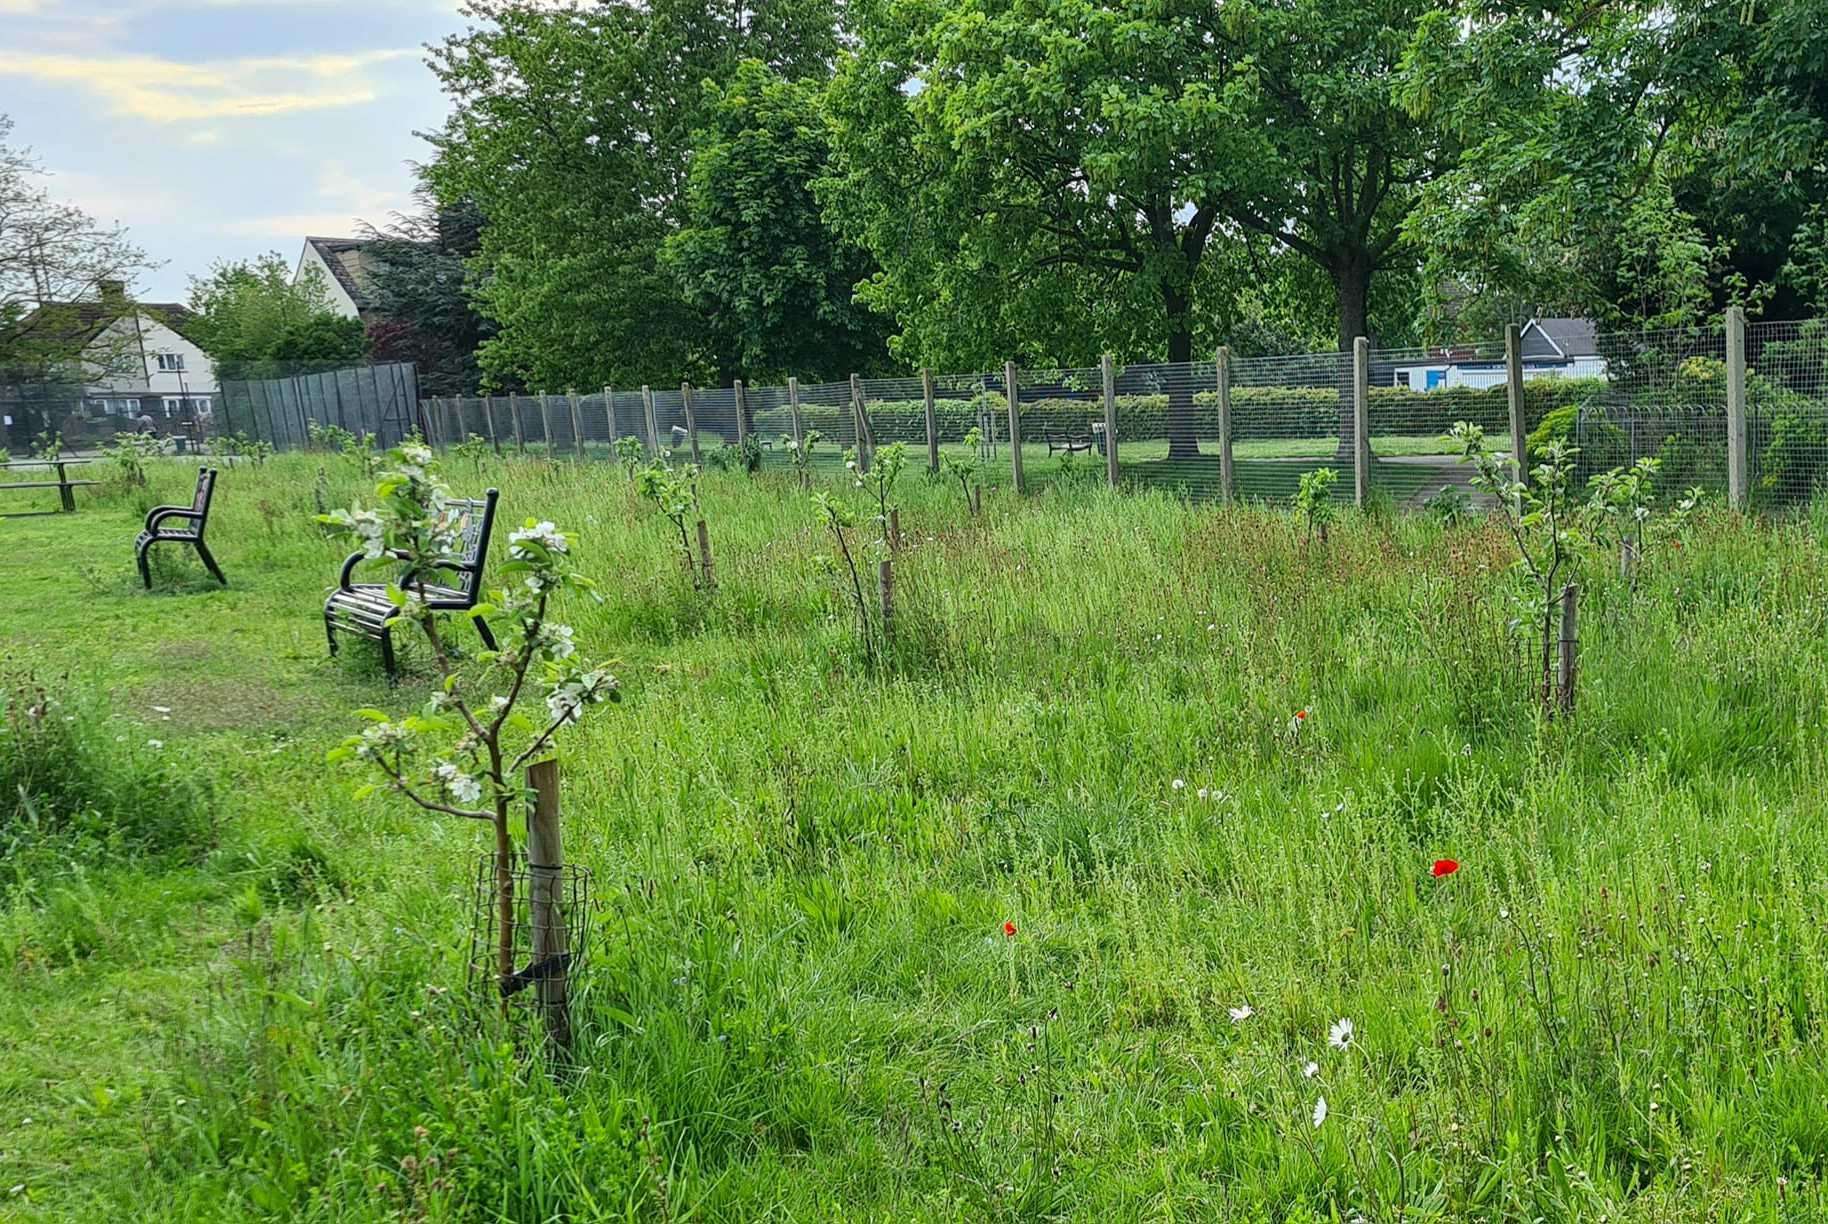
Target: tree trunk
column 1183, row 438
column 1352, row 281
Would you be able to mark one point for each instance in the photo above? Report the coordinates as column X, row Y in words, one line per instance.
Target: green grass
column 798, row 981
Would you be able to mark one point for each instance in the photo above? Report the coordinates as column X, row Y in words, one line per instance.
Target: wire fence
column 1699, row 400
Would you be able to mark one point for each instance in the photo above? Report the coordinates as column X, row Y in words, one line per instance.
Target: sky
column 222, row 129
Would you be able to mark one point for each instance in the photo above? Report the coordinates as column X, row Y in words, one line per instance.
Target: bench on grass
column 363, row 608
column 63, row 484
column 195, row 515
column 1072, row 444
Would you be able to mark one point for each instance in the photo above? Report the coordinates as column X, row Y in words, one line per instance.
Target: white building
column 341, row 265
column 132, row 360
column 1551, row 348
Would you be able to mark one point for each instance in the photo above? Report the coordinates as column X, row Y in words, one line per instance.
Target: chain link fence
column 1250, row 428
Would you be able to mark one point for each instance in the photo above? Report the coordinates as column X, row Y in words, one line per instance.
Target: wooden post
column 653, row 424
column 866, row 438
column 926, row 397
column 793, row 412
column 1109, row 369
column 1735, row 408
column 546, row 902
column 1227, row 474
column 977, row 500
column 894, row 529
column 685, row 393
column 1015, row 426
column 742, row 416
column 1361, row 422
column 609, row 415
column 885, row 587
column 704, row 555
column 488, row 416
column 65, row 493
column 520, row 437
column 546, row 423
column 1513, row 388
column 577, row 425
column 1570, row 648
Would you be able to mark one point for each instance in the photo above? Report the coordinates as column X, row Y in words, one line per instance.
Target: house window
column 171, row 362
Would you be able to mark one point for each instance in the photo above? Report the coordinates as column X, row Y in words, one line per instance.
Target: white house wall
column 340, row 301
column 125, row 359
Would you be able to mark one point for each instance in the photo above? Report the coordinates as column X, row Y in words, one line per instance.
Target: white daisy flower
column 1320, row 1112
column 1340, row 1035
column 1242, row 1013
column 1310, row 1069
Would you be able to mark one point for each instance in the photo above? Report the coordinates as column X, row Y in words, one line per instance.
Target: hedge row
column 1257, row 413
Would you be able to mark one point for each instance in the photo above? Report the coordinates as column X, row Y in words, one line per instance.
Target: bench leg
column 387, row 654
column 483, row 631
column 139, row 556
column 330, row 632
column 209, row 562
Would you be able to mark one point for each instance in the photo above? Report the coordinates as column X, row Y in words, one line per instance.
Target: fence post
column 866, row 439
column 1222, row 373
column 1108, row 368
column 488, row 416
column 653, row 425
column 545, row 901
column 793, row 411
column 520, row 437
column 685, row 394
column 1015, row 426
column 546, row 423
column 1735, row 408
column 609, row 415
column 577, row 426
column 1361, row 422
column 1570, row 648
column 932, row 411
column 458, row 433
column 1513, row 389
column 742, row 415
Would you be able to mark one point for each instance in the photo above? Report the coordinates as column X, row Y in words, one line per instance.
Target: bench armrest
column 158, row 514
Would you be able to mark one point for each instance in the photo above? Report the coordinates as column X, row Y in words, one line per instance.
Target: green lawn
column 800, row 1003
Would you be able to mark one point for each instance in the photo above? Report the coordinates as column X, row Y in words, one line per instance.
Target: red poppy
column 1301, row 715
column 1009, row 930
column 1444, row 867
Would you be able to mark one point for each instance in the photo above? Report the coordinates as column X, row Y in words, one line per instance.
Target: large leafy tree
column 571, row 131
column 1643, row 162
column 418, row 295
column 255, row 321
column 756, row 253
column 1028, row 168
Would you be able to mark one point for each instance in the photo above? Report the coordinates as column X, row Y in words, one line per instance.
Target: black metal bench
column 363, row 608
column 196, row 514
column 1072, row 444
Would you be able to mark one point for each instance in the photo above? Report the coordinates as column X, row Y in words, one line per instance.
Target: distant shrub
column 71, row 775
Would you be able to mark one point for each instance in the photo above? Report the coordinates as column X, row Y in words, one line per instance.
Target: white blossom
column 1320, row 1112
column 556, row 640
column 1241, row 1013
column 1179, row 784
column 544, row 534
column 1340, row 1035
column 1310, row 1069
column 459, row 785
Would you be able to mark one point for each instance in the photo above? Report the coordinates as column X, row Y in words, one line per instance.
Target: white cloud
column 169, row 91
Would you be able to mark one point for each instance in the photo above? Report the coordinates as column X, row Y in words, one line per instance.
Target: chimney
column 114, row 292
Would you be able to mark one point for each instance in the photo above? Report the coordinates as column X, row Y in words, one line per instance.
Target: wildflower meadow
column 1126, row 858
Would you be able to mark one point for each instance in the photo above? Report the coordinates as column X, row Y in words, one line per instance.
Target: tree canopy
column 572, row 132
column 255, row 321
column 756, row 255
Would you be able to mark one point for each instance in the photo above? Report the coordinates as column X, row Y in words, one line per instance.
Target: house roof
column 332, row 251
column 77, row 323
column 1569, row 337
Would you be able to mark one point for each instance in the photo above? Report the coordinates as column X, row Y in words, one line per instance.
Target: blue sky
column 219, row 129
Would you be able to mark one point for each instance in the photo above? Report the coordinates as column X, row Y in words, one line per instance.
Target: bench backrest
column 475, row 522
column 206, row 489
